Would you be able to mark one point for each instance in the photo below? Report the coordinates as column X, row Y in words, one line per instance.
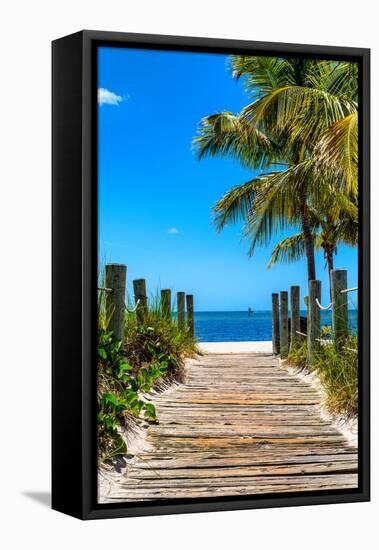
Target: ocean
column 237, row 326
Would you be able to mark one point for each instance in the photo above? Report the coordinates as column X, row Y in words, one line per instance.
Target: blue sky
column 155, row 197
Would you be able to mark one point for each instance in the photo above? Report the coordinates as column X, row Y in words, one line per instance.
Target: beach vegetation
column 337, row 370
column 150, row 358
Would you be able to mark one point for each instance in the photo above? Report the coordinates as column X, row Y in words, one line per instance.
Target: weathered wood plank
column 248, row 471
column 209, row 462
column 254, row 486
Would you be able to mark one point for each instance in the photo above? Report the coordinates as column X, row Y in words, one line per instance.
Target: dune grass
column 337, row 370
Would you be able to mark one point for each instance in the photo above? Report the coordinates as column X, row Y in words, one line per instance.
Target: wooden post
column 306, row 302
column 295, row 315
column 275, row 325
column 115, row 279
column 340, row 306
column 190, row 319
column 313, row 330
column 283, row 323
column 139, row 286
column 166, row 302
column 180, row 298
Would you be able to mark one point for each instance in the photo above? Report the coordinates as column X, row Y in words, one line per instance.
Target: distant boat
column 250, row 311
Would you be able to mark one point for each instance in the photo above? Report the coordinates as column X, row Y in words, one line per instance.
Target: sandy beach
column 236, row 347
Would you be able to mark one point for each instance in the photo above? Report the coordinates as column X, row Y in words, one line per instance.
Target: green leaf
column 102, row 353
column 150, row 411
column 110, row 399
column 131, row 397
column 124, row 367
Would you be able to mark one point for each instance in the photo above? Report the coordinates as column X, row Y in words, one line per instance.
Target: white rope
column 322, row 307
column 349, row 290
column 132, row 310
column 323, row 341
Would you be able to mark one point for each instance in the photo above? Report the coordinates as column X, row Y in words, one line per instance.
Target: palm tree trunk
column 308, row 241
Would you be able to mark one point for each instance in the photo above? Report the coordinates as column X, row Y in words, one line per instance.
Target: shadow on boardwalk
column 239, row 425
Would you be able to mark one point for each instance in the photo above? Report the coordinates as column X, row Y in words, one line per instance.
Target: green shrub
column 158, row 341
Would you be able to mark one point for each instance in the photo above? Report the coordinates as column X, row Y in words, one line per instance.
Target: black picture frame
column 74, row 272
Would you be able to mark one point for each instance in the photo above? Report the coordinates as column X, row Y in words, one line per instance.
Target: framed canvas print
column 210, row 274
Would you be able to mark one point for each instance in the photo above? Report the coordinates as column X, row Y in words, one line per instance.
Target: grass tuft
column 337, row 371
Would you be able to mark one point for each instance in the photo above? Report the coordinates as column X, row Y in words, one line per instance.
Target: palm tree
column 328, row 232
column 295, row 103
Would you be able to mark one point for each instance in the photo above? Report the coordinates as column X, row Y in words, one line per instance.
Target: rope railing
column 133, row 309
column 325, row 341
column 118, row 302
column 343, row 291
column 350, row 349
column 128, row 309
column 104, row 289
column 354, row 288
column 287, row 329
column 322, row 307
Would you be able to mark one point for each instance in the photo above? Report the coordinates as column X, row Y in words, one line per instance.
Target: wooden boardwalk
column 239, row 425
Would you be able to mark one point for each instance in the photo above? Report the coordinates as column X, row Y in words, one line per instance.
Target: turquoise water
column 237, row 326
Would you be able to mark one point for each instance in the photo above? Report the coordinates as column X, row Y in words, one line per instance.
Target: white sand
column 236, row 347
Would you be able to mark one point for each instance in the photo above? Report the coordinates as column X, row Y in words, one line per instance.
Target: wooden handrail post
column 275, row 325
column 314, row 317
column 340, row 317
column 115, row 279
column 190, row 315
column 283, row 323
column 306, row 302
column 181, row 298
column 166, row 302
column 140, row 297
column 295, row 315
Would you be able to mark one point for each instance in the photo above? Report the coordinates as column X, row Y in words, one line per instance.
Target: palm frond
column 289, row 250
column 236, row 204
column 301, row 113
column 336, row 153
column 261, row 74
column 348, row 231
column 276, row 206
column 225, row 134
column 339, row 78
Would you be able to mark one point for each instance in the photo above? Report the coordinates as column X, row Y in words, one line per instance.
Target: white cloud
column 173, row 231
column 106, row 97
